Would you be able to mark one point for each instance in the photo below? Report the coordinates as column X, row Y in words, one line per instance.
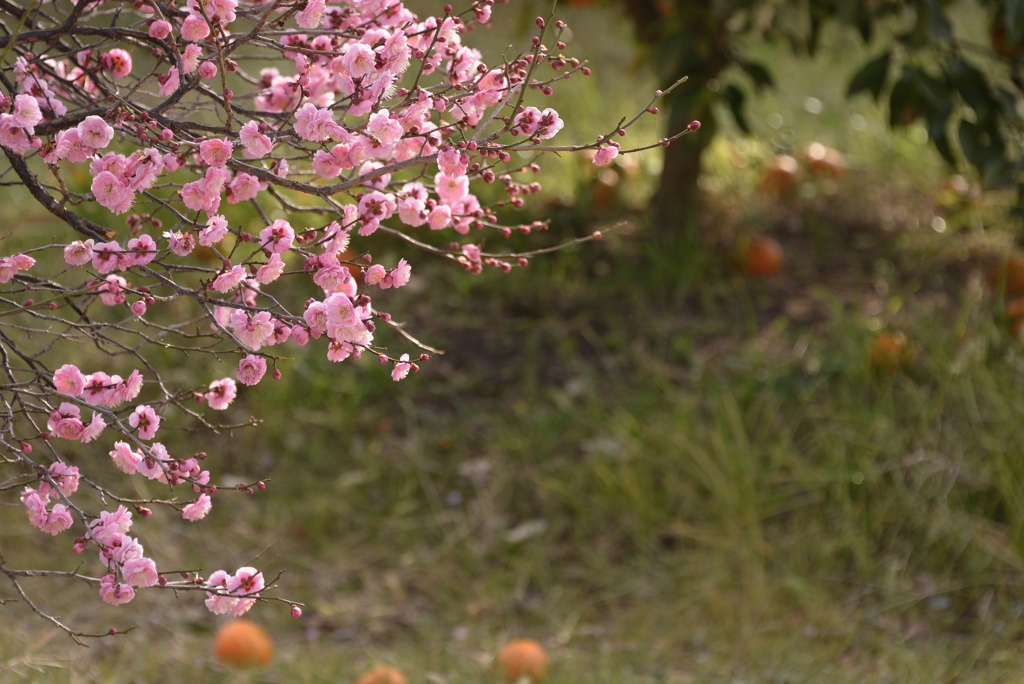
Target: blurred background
column 767, row 430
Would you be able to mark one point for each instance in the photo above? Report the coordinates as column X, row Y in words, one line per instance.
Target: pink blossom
column 13, row 137
column 118, row 62
column 251, row 369
column 221, row 393
column 140, row 572
column 145, row 420
column 99, row 388
column 401, row 369
column 141, row 249
column 310, row 16
column 217, row 604
column 199, row 196
column 69, row 380
column 215, row 152
column 252, row 332
column 198, row 509
column 35, row 507
column 278, row 236
column 95, row 132
column 112, row 290
column 451, row 188
column 127, row 390
column 115, row 593
column 66, row 477
column 8, row 269
column 246, row 581
column 58, row 520
column 270, row 271
column 79, row 252
column 153, row 463
column 313, row 124
column 26, row 112
column 71, row 147
column 160, row 29
column 123, row 548
column 402, row 273
column 229, row 280
column 605, row 154
column 194, row 28
column 215, row 230
column 383, row 128
column 144, row 167
column 190, row 58
column 376, row 206
column 360, row 60
column 180, row 243
column 105, row 256
column 300, row 334
column 374, row 274
column 256, row 144
column 440, row 217
column 112, row 192
column 9, row 266
column 452, row 161
column 125, row 458
column 243, row 187
column 330, row 164
column 93, row 429
column 111, row 523
column 170, row 81
column 207, row 69
column 139, row 307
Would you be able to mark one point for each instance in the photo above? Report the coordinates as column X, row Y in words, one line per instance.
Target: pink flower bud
column 296, row 611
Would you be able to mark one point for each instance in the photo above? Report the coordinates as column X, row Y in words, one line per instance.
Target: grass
column 716, row 489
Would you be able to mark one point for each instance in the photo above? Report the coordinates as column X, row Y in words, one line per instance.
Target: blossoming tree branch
column 135, row 125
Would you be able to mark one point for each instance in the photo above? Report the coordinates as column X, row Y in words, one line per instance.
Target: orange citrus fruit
column 242, row 643
column 1009, row 276
column 761, row 257
column 780, row 176
column 1015, row 316
column 383, row 674
column 523, row 658
column 890, row 352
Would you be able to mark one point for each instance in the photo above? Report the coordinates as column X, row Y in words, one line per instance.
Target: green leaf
column 973, row 88
column 734, row 97
column 758, row 73
column 871, row 77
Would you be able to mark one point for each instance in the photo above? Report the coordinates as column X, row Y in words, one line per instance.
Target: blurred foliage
column 967, row 87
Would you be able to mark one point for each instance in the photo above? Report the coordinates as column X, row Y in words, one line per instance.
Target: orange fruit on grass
column 1015, row 316
column 523, row 658
column 780, row 176
column 890, row 352
column 824, row 162
column 760, row 257
column 383, row 674
column 242, row 643
column 1009, row 276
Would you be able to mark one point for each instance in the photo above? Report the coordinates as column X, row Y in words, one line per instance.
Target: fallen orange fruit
column 383, row 674
column 523, row 658
column 242, row 643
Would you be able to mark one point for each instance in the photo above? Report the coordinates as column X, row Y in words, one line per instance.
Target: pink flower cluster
column 338, row 126
column 97, row 388
column 9, row 266
column 233, row 594
column 124, row 557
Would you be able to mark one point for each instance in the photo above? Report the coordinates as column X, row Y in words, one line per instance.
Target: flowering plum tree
column 138, row 126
